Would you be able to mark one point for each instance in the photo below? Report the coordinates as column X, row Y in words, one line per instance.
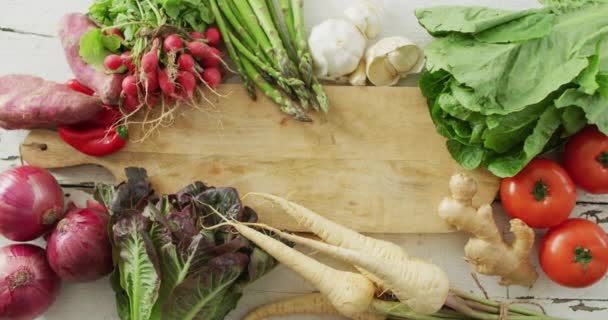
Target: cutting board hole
column 43, row 146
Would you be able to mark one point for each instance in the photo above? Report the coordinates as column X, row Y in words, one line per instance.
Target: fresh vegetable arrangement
column 172, row 260
column 274, row 59
column 506, row 86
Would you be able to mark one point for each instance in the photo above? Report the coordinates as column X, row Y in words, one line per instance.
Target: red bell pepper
column 77, row 86
column 97, row 137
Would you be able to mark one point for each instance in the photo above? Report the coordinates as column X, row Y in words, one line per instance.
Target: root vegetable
column 487, row 251
column 350, row 293
column 113, row 62
column 213, row 58
column 197, row 35
column 212, row 76
column 166, row 84
column 173, row 43
column 419, row 284
column 129, row 85
column 29, row 102
column 127, row 60
column 312, row 303
column 185, row 62
column 187, row 81
column 197, row 49
column 107, row 86
column 131, row 103
column 150, row 81
column 213, row 36
column 422, row 286
column 149, row 61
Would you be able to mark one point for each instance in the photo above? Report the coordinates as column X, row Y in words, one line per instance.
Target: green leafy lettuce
column 505, row 86
column 169, row 263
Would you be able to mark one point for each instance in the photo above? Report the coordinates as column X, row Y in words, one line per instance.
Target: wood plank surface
column 32, row 54
column 374, row 163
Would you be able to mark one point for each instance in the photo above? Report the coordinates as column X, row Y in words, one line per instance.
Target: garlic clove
column 391, row 59
column 365, row 15
column 336, row 47
column 358, row 77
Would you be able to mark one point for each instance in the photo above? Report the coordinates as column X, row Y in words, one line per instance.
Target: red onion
column 79, row 248
column 31, row 201
column 28, row 286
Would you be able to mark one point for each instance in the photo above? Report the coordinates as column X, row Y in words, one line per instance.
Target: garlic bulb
column 391, row 59
column 358, row 77
column 366, row 16
column 337, row 47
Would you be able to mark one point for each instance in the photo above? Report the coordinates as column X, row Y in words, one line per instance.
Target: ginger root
column 312, row 303
column 487, row 251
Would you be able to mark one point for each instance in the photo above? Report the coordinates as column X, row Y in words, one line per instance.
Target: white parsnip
column 349, row 293
column 419, row 284
column 412, row 281
column 487, row 251
column 311, row 304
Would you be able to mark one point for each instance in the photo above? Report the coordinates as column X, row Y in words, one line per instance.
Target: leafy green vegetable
column 95, row 46
column 138, row 265
column 203, row 294
column 168, row 264
column 505, row 86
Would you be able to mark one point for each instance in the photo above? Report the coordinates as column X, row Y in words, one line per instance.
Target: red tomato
column 586, row 159
column 542, row 194
column 575, row 253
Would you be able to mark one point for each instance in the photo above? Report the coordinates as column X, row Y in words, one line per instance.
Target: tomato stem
column 583, row 256
column 540, row 190
column 603, row 159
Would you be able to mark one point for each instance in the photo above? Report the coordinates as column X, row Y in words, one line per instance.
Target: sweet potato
column 29, row 102
column 107, row 85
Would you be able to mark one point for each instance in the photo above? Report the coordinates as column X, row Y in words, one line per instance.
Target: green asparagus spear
column 247, row 81
column 286, row 66
column 288, row 85
column 230, row 13
column 284, row 103
column 276, row 20
column 247, row 17
column 301, row 44
column 288, row 17
column 305, row 63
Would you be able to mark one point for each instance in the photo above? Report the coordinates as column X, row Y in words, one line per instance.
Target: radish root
column 486, row 251
column 312, row 303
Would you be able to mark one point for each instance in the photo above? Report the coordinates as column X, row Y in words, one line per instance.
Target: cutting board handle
column 43, row 148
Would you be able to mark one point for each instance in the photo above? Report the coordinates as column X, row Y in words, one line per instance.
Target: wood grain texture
column 373, row 163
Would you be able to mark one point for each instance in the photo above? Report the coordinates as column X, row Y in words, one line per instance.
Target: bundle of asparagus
column 270, row 51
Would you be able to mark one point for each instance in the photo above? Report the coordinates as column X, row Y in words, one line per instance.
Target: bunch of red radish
column 171, row 68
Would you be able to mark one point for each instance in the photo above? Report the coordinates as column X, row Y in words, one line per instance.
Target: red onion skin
column 79, row 248
column 28, row 285
column 31, row 201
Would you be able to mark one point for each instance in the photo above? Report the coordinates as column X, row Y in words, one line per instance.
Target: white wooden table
column 28, row 45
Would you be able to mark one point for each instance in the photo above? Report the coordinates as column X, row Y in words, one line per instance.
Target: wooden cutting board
column 374, row 163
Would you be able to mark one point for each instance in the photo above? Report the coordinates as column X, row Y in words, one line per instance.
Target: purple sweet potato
column 31, row 102
column 107, row 85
